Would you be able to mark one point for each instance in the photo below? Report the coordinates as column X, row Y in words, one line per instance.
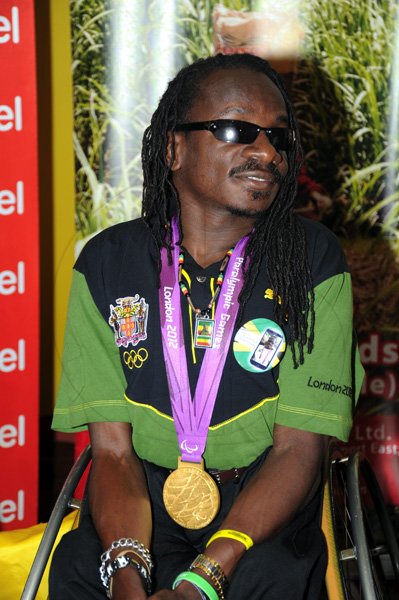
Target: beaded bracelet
column 198, row 582
column 233, row 535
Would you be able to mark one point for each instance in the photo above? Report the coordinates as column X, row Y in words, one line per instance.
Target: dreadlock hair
column 278, row 239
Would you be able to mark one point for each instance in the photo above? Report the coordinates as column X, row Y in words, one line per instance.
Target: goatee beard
column 249, row 213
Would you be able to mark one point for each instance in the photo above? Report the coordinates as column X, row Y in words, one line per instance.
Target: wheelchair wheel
column 362, row 531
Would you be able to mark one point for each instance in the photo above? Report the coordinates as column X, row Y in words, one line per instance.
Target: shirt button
column 201, row 278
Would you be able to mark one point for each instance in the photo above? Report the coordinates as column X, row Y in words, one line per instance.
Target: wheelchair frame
column 64, row 502
column 355, row 568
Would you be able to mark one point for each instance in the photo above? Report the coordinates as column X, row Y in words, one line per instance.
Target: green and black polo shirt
column 114, row 298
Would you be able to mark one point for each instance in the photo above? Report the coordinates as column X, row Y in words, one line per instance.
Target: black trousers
column 289, row 566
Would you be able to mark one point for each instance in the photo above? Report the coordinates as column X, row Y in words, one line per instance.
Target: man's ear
column 173, row 150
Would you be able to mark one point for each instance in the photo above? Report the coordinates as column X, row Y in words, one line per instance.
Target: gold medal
column 191, row 496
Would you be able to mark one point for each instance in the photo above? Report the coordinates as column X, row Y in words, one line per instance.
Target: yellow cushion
column 17, row 551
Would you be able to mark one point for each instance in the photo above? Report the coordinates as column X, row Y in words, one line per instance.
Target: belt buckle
column 216, row 474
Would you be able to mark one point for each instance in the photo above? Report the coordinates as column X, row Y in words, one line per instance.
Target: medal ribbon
column 192, row 417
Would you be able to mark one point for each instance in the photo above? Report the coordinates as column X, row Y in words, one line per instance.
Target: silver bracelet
column 128, row 543
column 120, row 562
column 138, row 548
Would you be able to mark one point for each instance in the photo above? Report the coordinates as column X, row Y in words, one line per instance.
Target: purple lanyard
column 192, row 417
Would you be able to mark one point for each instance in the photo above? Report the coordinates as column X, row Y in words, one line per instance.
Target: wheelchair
column 363, row 552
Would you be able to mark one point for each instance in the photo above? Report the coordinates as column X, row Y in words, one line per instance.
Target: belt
column 229, row 475
column 224, row 476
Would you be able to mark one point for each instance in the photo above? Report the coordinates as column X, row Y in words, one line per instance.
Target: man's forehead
column 235, row 79
column 245, row 109
column 238, row 90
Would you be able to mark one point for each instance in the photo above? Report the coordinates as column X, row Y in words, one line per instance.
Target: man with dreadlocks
column 209, row 352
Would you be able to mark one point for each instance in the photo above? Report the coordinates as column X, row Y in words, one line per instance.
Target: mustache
column 255, row 165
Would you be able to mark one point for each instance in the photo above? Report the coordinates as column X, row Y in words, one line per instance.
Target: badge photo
column 259, row 345
column 204, row 333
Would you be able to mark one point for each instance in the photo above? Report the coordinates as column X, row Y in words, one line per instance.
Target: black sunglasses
column 242, row 132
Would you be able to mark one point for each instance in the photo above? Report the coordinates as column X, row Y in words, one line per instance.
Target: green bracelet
column 199, row 581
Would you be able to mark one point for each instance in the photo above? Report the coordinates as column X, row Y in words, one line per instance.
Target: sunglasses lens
column 235, row 133
column 246, row 133
column 280, row 138
column 227, row 133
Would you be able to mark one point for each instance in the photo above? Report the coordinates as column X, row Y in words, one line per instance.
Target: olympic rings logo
column 135, row 358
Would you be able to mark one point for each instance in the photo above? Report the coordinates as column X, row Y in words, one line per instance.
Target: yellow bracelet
column 233, row 535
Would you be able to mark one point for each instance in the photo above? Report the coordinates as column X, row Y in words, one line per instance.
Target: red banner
column 19, row 267
column 375, row 431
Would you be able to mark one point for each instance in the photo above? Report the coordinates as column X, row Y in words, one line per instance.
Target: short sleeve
column 319, row 396
column 92, row 382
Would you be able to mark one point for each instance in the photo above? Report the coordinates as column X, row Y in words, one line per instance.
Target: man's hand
column 185, row 591
column 127, row 584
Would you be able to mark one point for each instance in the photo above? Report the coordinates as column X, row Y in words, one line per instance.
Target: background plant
column 114, row 97
column 341, row 92
column 92, row 107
